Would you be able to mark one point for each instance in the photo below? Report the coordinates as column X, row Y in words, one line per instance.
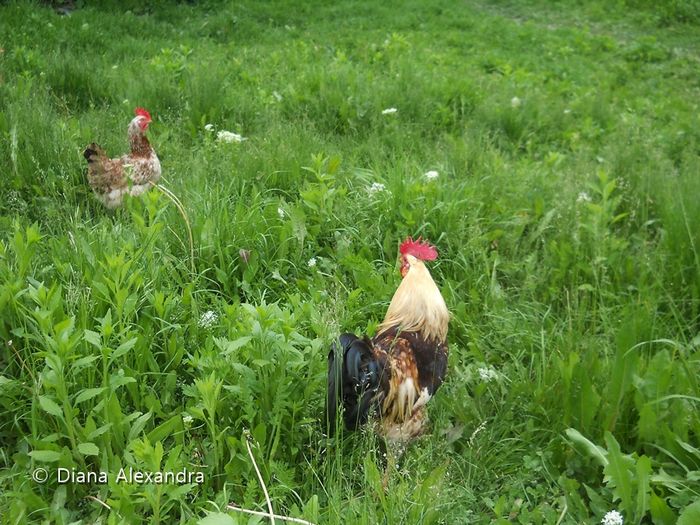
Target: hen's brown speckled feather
column 132, row 174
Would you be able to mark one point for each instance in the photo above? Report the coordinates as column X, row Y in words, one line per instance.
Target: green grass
column 566, row 212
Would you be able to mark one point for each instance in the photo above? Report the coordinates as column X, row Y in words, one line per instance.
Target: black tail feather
column 353, row 381
column 92, row 150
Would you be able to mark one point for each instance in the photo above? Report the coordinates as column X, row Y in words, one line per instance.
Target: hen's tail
column 354, row 379
column 94, row 153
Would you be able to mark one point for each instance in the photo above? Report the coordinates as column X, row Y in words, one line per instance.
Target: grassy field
column 566, row 208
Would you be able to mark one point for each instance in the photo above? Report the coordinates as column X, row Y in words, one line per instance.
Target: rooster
column 132, row 174
column 395, row 373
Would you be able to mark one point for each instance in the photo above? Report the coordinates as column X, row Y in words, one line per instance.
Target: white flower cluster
column 225, row 136
column 208, row 319
column 583, row 197
column 432, row 174
column 229, row 136
column 312, row 262
column 389, row 111
column 487, row 374
column 612, row 518
column 376, row 187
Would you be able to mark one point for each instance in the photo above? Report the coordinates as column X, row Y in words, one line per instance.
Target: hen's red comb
column 419, row 249
column 140, row 112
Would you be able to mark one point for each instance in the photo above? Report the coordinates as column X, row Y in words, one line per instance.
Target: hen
column 395, row 373
column 132, row 174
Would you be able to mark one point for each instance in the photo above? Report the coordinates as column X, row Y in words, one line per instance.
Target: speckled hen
column 132, row 174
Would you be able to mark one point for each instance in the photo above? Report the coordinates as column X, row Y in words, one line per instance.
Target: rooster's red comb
column 419, row 249
column 140, row 112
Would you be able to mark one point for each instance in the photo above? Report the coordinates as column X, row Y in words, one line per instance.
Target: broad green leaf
column 311, row 508
column 47, row 456
column 50, row 406
column 81, row 363
column 88, row 449
column 88, row 393
column 625, row 364
column 217, row 518
column 172, row 425
column 259, row 434
column 64, row 328
column 115, row 381
column 106, row 322
column 643, row 490
column 667, row 480
column 228, row 347
column 618, row 474
column 99, row 431
column 690, row 515
column 138, row 425
column 661, row 513
column 180, row 492
column 599, row 454
column 689, row 448
column 122, row 349
column 93, row 338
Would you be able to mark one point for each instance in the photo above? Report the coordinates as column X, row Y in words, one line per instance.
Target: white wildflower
column 432, row 174
column 187, row 420
column 208, row 319
column 229, row 136
column 389, row 111
column 567, row 111
column 376, row 187
column 515, row 102
column 209, row 127
column 312, row 262
column 281, row 213
column 612, row 518
column 487, row 374
column 583, row 197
